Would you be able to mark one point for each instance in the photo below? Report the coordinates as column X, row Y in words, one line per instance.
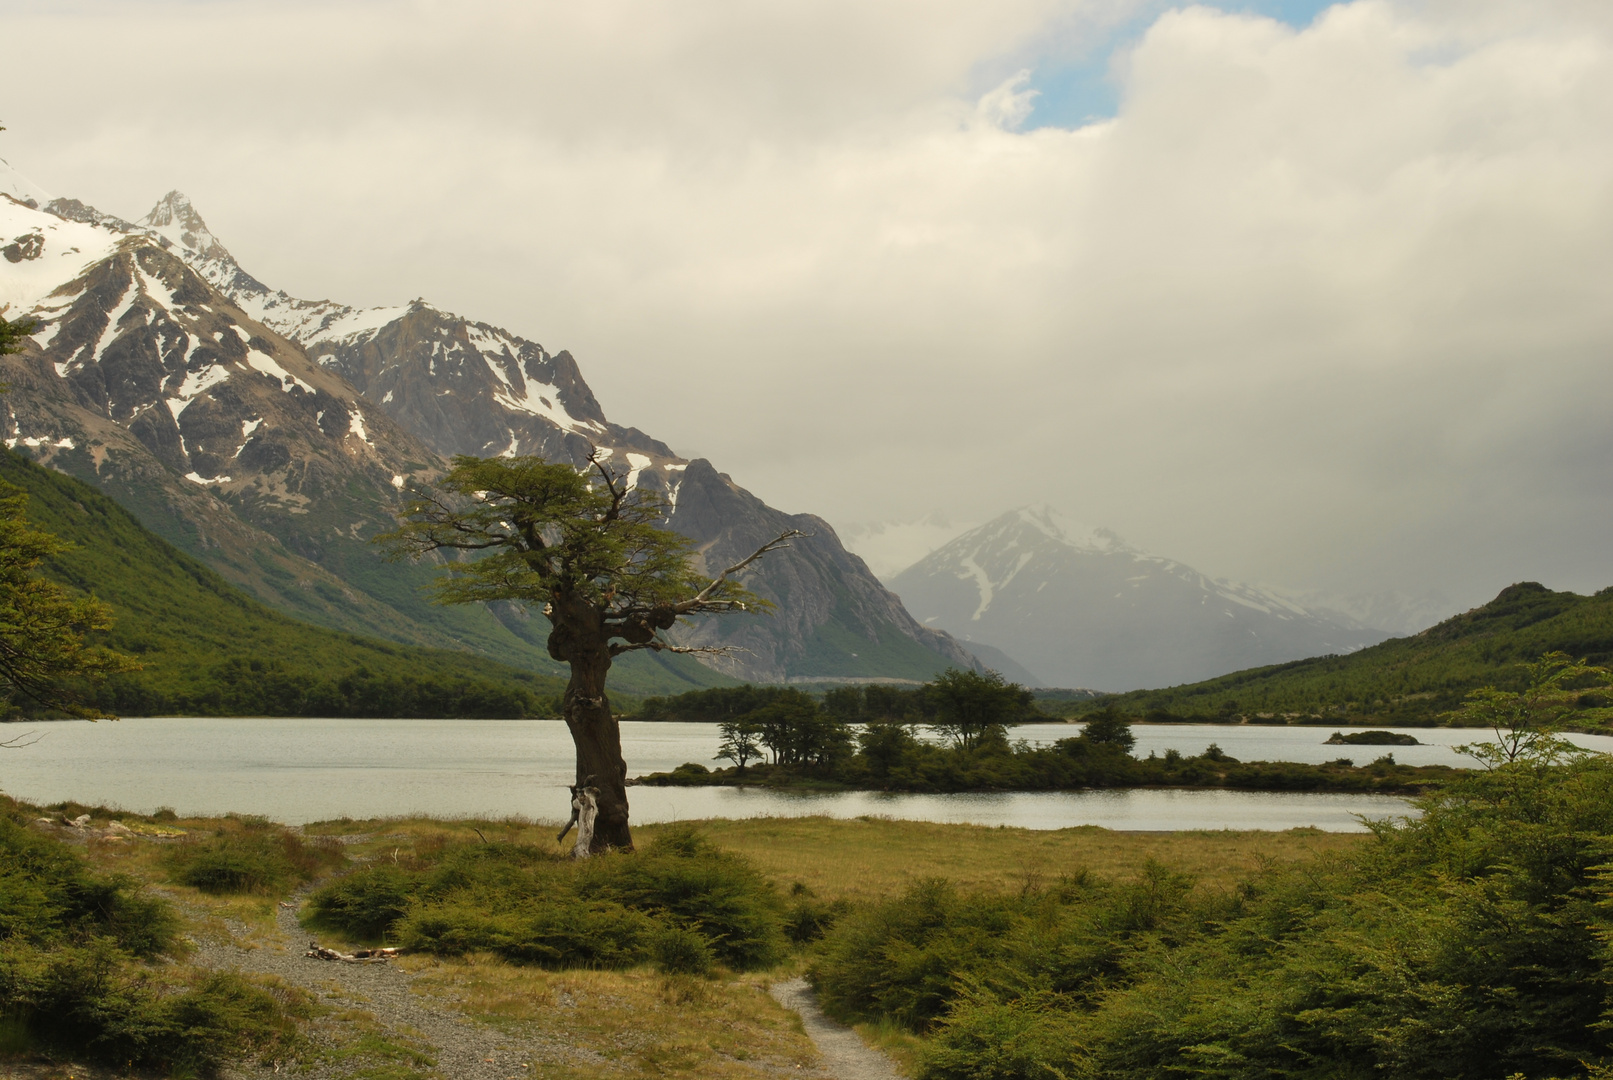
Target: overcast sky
column 1318, row 297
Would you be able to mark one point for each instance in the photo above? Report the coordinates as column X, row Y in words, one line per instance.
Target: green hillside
column 209, row 648
column 1411, row 680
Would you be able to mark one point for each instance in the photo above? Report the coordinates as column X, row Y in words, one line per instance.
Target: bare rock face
column 273, row 436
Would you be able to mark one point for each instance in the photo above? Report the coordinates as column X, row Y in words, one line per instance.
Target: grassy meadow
column 1470, row 941
column 225, row 878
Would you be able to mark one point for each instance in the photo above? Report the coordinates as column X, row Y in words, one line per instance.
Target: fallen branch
column 359, row 956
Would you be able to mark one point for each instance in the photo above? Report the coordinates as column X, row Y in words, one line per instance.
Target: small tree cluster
column 791, row 728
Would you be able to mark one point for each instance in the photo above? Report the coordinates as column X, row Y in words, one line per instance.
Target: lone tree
column 586, row 551
column 1528, row 723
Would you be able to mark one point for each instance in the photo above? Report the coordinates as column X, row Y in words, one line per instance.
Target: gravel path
column 845, row 1055
column 462, row 1048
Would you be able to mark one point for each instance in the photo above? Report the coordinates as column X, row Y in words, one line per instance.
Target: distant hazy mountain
column 272, row 436
column 1079, row 607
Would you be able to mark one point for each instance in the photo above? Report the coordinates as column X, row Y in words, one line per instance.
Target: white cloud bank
column 1325, row 308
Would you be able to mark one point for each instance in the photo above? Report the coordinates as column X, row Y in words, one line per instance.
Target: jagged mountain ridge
column 428, row 382
column 1080, row 607
column 218, row 433
column 467, row 387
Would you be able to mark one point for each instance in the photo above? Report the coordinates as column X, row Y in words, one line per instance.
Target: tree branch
column 696, row 602
column 657, row 645
column 616, row 496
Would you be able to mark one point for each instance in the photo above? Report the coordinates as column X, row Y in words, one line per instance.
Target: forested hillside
column 1411, row 680
column 208, row 648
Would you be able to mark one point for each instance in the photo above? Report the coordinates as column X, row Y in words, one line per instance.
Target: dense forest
column 206, row 648
column 1411, row 681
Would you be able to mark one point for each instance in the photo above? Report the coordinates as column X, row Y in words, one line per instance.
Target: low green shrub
column 48, row 896
column 571, row 933
column 679, row 951
column 364, row 903
column 806, row 918
column 73, row 978
column 257, row 858
column 91, row 1000
column 534, row 906
column 1468, row 942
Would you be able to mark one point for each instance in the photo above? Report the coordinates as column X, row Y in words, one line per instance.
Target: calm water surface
column 298, row 770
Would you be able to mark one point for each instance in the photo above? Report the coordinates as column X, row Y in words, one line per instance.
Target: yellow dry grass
column 626, row 1024
column 865, row 858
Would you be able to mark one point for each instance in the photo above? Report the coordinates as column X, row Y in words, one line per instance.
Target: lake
column 298, row 770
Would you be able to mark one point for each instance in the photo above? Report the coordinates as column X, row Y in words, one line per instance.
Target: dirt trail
column 845, row 1055
column 462, row 1048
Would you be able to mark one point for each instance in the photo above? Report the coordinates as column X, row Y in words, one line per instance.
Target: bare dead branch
column 616, row 496
column 780, row 541
column 657, row 645
column 21, row 741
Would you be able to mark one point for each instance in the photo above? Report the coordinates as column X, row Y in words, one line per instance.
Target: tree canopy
column 588, row 551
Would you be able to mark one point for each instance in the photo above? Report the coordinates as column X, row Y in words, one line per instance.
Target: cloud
column 1321, row 306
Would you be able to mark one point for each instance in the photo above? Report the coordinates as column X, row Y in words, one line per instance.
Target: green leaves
column 578, row 545
column 1526, row 722
column 42, row 627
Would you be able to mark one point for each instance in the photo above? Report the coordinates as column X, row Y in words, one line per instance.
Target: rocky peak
column 175, row 218
column 1051, row 523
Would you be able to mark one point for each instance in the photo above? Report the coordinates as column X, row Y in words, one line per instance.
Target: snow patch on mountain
column 42, row 251
column 268, row 365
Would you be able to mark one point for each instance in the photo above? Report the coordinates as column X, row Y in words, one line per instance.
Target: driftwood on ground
column 358, row 956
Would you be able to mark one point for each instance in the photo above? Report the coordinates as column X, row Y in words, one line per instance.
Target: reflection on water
column 298, row 770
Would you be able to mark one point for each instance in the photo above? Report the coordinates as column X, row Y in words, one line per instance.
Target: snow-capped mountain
column 1080, row 607
column 248, row 426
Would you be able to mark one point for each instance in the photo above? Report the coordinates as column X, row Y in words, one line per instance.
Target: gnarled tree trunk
column 580, row 638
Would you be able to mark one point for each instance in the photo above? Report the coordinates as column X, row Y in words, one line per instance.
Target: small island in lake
column 1371, row 738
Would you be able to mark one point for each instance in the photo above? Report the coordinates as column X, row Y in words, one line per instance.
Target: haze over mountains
column 1080, row 607
column 272, row 436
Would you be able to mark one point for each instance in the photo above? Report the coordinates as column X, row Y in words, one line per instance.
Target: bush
column 1470, row 942
column 677, row 951
column 364, row 903
column 807, row 918
column 533, row 906
column 90, row 1000
column 48, row 896
column 71, row 976
column 257, row 859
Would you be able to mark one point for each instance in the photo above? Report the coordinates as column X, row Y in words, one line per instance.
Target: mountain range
column 1079, row 607
column 271, row 437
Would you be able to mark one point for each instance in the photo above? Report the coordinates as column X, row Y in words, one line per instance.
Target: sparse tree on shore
column 586, row 551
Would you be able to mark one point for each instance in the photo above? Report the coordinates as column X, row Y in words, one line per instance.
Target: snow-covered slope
column 1080, row 607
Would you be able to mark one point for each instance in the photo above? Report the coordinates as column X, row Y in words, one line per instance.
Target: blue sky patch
column 1078, row 90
